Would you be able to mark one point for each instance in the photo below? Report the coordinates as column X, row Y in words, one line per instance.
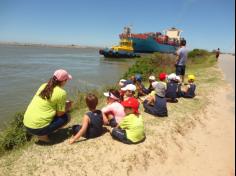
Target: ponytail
column 46, row 93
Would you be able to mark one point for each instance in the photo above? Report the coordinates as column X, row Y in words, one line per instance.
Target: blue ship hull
column 150, row 45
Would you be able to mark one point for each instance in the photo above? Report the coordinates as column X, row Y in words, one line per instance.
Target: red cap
column 131, row 103
column 162, row 76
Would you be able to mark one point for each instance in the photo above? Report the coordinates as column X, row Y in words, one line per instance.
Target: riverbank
column 76, row 46
column 194, row 140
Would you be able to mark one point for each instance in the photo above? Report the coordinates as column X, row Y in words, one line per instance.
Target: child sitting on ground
column 157, row 105
column 151, row 79
column 151, row 96
column 141, row 90
column 113, row 113
column 129, row 91
column 131, row 128
column 172, row 89
column 162, row 78
column 188, row 91
column 92, row 125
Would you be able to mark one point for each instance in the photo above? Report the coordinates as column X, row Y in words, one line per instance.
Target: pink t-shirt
column 117, row 109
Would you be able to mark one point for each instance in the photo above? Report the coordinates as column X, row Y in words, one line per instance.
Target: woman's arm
column 82, row 131
column 68, row 106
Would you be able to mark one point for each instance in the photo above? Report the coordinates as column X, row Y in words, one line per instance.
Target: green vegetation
column 197, row 53
column 14, row 135
column 152, row 64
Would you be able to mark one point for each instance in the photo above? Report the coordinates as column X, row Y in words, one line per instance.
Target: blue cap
column 138, row 77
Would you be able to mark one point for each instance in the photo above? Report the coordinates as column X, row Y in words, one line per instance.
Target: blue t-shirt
column 183, row 56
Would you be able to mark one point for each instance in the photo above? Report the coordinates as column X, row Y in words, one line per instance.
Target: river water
column 24, row 69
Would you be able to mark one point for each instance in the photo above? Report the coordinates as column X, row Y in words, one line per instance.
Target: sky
column 206, row 24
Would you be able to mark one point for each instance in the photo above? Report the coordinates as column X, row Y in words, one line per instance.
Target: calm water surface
column 24, row 69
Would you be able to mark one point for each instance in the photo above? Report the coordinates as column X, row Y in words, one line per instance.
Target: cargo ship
column 154, row 41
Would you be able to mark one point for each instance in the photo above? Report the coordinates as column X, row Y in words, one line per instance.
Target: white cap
column 108, row 94
column 152, row 78
column 178, row 78
column 130, row 87
column 172, row 76
column 122, row 82
column 154, row 84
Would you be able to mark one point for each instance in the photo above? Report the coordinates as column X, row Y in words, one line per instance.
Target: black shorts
column 180, row 70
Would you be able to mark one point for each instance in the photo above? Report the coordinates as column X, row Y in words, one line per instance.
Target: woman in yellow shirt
column 47, row 110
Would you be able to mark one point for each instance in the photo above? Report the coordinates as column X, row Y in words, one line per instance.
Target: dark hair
column 46, row 93
column 116, row 93
column 183, row 42
column 91, row 101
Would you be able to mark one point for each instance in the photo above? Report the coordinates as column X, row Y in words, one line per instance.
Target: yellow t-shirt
column 41, row 112
column 134, row 127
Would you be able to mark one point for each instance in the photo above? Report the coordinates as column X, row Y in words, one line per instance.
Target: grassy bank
column 15, row 135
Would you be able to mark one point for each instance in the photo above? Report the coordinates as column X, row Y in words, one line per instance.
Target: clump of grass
column 197, row 53
column 151, row 64
column 14, row 135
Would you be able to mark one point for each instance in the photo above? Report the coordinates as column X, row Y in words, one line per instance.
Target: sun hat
column 160, row 89
column 62, row 75
column 130, row 87
column 171, row 76
column 154, row 84
column 162, row 76
column 110, row 95
column 152, row 78
column 191, row 77
column 131, row 103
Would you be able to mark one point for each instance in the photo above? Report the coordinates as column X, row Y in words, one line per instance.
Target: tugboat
column 123, row 50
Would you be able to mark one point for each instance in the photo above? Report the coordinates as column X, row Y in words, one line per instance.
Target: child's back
column 92, row 125
column 171, row 91
column 191, row 87
column 95, row 127
column 190, row 93
column 131, row 128
column 134, row 127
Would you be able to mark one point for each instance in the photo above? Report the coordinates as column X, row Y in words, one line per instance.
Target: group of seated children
column 122, row 109
column 123, row 116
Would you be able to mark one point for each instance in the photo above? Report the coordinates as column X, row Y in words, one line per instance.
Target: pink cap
column 62, row 75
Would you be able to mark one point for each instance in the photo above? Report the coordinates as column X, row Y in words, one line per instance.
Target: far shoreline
column 70, row 46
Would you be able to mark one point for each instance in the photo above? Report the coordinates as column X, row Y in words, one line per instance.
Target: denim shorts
column 57, row 123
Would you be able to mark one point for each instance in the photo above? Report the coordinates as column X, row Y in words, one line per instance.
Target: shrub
column 14, row 135
column 152, row 64
column 197, row 53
